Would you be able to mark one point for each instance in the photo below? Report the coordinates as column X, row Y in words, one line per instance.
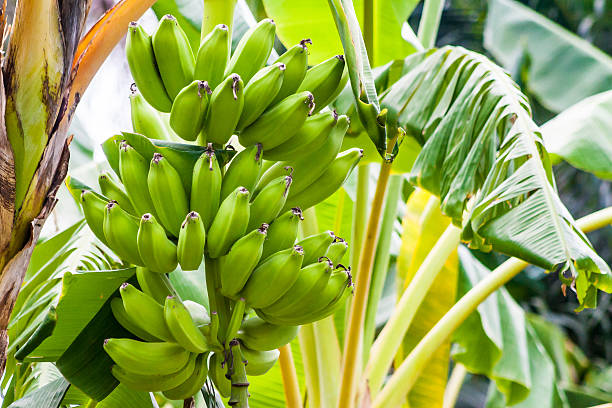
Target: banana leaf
column 581, row 135
column 514, row 32
column 484, row 156
column 48, row 396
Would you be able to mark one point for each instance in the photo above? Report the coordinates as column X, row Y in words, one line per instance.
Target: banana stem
column 329, row 357
column 217, row 12
column 293, row 398
column 311, row 364
column 235, row 321
column 430, row 22
column 217, row 302
column 454, row 385
column 401, row 382
column 390, row 339
column 239, row 397
column 351, row 365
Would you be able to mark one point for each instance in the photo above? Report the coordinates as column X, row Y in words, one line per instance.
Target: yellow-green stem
column 390, row 339
column 329, row 358
column 291, row 387
column 311, row 365
column 453, row 386
column 430, row 22
column 401, row 382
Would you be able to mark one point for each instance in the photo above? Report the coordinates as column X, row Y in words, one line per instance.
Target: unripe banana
column 182, row 326
column 206, row 186
column 141, row 59
column 309, row 137
column 224, row 110
column 253, row 50
column 191, row 243
column 154, row 382
column 269, row 202
column 157, row 252
column 329, row 182
column 94, row 207
column 114, row 191
column 313, row 279
column 156, row 285
column 173, row 55
column 296, row 63
column 260, row 92
column 146, row 358
column 257, row 334
column 336, row 250
column 230, row 223
column 316, row 246
column 189, row 110
column 145, row 312
column 324, row 80
column 124, row 320
column 212, row 56
column 193, row 384
column 243, row 170
column 259, row 362
column 167, row 193
column 282, row 269
column 198, row 313
column 216, row 372
column 237, row 265
column 279, row 123
column 145, row 119
column 121, row 232
column 282, row 232
column 134, row 170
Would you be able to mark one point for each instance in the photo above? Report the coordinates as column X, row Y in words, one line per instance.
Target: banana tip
column 233, row 342
column 298, row 249
column 157, row 157
column 304, row 42
column 124, row 285
column 263, row 228
column 297, row 211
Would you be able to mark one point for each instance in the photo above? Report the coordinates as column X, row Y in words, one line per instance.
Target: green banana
column 157, row 252
column 282, row 232
column 191, row 242
column 156, row 285
column 312, row 279
column 93, row 206
column 259, row 362
column 134, row 170
column 198, row 313
column 296, row 63
column 260, row 92
column 43, row 331
column 145, row 312
column 243, row 256
column 212, row 56
column 167, row 193
column 257, row 334
column 121, row 232
column 173, row 54
column 310, row 165
column 206, row 186
column 189, row 110
column 146, row 358
column 141, row 59
column 154, row 382
column 279, row 123
column 225, row 107
column 309, row 137
column 281, row 269
column 325, row 81
column 230, row 223
column 124, row 320
column 216, row 372
column 243, row 170
column 193, row 384
column 316, row 246
column 182, row 326
column 114, row 191
column 269, row 202
column 253, row 50
column 337, row 249
column 145, row 119
column 329, row 182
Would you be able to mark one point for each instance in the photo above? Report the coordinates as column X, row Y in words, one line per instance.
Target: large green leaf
column 582, row 135
column 423, row 224
column 562, row 68
column 480, row 146
column 296, row 20
column 48, row 396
